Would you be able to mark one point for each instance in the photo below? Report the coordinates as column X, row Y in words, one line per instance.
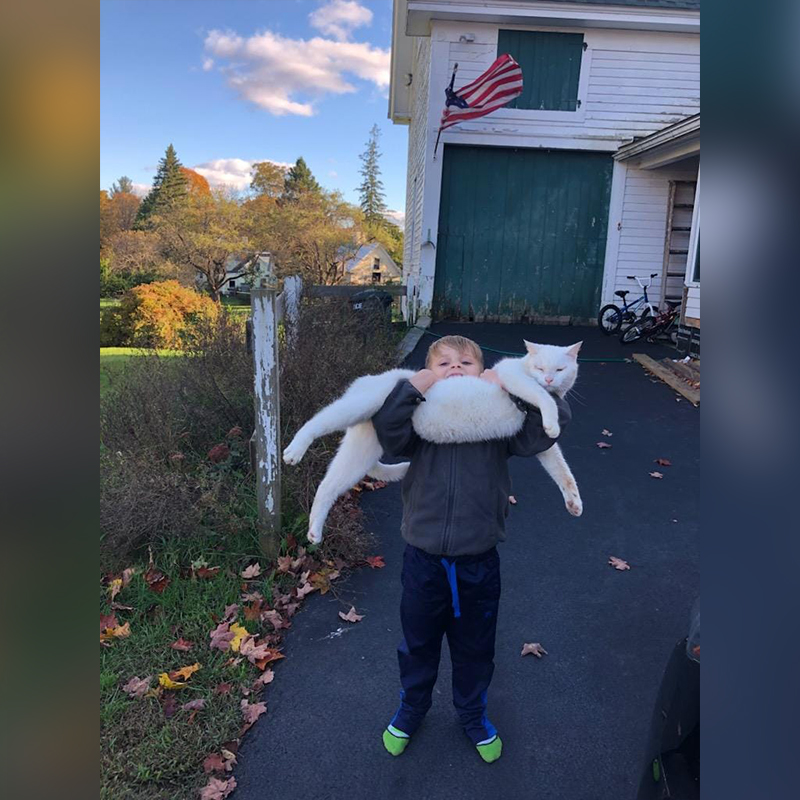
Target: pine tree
column 123, row 186
column 373, row 203
column 299, row 179
column 169, row 189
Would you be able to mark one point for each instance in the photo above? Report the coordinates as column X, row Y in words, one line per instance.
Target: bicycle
column 651, row 326
column 611, row 316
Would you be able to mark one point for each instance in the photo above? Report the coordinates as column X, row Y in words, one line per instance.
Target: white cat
column 470, row 409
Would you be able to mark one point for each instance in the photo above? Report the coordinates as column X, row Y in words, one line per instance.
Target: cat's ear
column 530, row 346
column 573, row 351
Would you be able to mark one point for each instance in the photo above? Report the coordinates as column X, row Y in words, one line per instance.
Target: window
column 376, row 263
column 232, row 283
column 696, row 277
column 551, row 66
column 376, row 277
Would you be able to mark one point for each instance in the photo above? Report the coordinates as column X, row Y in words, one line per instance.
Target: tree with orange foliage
column 195, row 182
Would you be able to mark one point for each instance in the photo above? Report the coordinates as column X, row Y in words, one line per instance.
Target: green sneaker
column 491, row 749
column 395, row 741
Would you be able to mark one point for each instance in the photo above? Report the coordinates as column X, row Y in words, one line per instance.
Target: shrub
column 175, row 431
column 160, row 314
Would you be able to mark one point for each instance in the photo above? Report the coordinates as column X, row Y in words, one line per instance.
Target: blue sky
column 230, row 82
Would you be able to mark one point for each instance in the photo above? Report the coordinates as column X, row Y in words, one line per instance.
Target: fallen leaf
column 512, row 499
column 167, row 682
column 115, row 587
column 194, row 705
column 375, row 561
column 320, row 581
column 233, row 662
column 127, row 574
column 603, row 445
column 252, row 711
column 137, row 687
column 291, row 542
column 234, row 433
column 221, row 637
column 252, row 612
column 618, row 563
column 252, row 597
column 305, row 588
column 663, row 462
column 239, row 633
column 156, row 580
column 351, row 615
column 182, row 645
column 275, row 619
column 253, row 571
column 222, row 688
column 121, row 607
column 273, row 655
column 169, row 705
column 284, row 563
column 217, row 789
column 656, row 475
column 267, row 676
column 108, row 621
column 184, row 673
column 606, row 432
column 534, row 649
column 114, row 631
column 205, row 572
column 219, row 762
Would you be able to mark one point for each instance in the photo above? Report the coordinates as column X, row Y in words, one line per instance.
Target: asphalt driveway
column 573, row 723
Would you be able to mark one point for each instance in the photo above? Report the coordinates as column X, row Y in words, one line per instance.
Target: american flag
column 499, row 85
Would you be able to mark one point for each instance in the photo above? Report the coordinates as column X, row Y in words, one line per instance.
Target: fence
column 268, row 308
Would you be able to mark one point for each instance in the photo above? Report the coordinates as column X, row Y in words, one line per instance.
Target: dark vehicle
column 672, row 762
column 374, row 306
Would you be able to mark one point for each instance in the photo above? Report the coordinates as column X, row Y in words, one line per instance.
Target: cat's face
column 554, row 368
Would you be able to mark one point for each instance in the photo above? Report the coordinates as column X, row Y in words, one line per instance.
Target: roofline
column 687, row 129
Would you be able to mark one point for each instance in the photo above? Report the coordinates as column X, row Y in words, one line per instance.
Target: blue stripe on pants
column 427, row 613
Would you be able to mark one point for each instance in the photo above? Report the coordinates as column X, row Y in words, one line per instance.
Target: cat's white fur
column 467, row 409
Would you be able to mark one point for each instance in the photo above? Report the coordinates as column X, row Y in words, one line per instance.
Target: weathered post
column 292, row 290
column 267, row 406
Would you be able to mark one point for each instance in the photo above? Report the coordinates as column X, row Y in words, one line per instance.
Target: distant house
column 371, row 264
column 542, row 209
column 236, row 281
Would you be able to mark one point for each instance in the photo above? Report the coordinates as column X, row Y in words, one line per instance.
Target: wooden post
column 267, row 407
column 292, row 290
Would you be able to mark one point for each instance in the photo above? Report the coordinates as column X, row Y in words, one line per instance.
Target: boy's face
column 449, row 363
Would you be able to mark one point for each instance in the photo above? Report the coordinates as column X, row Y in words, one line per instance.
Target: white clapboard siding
column 693, row 302
column 643, row 231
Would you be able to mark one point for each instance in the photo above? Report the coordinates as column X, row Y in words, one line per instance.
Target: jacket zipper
column 450, row 502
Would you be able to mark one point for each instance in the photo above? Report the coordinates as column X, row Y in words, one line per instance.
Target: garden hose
column 509, row 353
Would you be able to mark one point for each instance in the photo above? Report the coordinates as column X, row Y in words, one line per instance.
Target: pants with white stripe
column 457, row 597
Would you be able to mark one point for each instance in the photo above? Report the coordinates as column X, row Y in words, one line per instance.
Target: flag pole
column 449, row 90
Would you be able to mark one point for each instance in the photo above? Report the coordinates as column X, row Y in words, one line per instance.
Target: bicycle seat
column 621, row 293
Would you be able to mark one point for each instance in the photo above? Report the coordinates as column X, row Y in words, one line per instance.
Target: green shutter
column 522, row 233
column 551, row 65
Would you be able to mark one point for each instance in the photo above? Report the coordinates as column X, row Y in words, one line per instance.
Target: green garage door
column 522, row 233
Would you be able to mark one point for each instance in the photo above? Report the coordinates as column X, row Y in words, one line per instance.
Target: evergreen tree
column 169, row 189
column 123, row 186
column 299, row 179
column 373, row 203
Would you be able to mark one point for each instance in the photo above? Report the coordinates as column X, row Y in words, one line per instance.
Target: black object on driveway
column 672, row 762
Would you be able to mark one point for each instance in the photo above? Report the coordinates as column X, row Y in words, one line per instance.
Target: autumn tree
column 300, row 180
column 168, row 192
column 195, row 182
column 373, row 203
column 206, row 233
column 269, row 179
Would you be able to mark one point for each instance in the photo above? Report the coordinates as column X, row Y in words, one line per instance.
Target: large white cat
column 470, row 409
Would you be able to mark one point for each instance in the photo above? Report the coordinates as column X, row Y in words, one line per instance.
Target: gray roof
column 689, row 5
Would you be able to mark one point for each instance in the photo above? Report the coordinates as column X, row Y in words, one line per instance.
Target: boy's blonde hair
column 459, row 343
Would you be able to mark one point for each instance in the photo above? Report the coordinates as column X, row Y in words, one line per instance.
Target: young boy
column 455, row 500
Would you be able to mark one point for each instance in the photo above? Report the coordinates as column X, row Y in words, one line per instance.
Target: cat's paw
column 552, row 429
column 314, row 534
column 294, row 451
column 574, row 504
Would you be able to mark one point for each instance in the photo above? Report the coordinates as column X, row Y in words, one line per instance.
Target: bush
column 114, row 283
column 162, row 421
column 160, row 314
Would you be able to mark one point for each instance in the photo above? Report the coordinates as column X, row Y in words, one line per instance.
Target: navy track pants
column 459, row 597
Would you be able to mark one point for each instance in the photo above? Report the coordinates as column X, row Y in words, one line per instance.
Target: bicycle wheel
column 609, row 319
column 636, row 330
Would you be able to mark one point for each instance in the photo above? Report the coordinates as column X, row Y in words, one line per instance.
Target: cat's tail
column 388, row 472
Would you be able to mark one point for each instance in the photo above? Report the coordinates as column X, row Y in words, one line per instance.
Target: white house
column 371, row 264
column 540, row 210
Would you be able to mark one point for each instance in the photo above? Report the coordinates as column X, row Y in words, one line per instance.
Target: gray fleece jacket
column 455, row 496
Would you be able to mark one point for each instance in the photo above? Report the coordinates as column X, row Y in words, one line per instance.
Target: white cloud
column 398, row 217
column 141, row 189
column 208, row 63
column 231, row 172
column 270, row 70
column 339, row 18
column 333, row 174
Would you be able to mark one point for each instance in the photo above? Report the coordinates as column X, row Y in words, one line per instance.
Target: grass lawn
column 112, row 359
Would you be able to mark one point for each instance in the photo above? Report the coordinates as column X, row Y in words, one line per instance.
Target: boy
column 455, row 500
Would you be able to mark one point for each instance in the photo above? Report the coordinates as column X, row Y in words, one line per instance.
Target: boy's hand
column 423, row 380
column 491, row 376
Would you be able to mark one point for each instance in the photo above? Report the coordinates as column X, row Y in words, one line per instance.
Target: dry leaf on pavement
column 267, row 676
column 606, row 432
column 618, row 563
column 351, row 615
column 534, row 649
column 375, row 561
column 657, row 475
column 603, row 445
column 217, row 789
column 252, row 711
column 663, row 462
column 219, row 762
